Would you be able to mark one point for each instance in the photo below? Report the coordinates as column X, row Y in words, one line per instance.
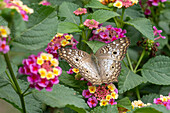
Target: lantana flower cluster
column 61, row 40
column 4, row 39
column 107, row 34
column 163, row 100
column 120, row 3
column 80, row 11
column 24, row 10
column 139, row 104
column 42, row 70
column 45, row 2
column 103, row 94
column 150, row 3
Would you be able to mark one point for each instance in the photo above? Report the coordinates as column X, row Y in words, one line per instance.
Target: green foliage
column 149, row 98
column 68, row 27
column 60, row 97
column 125, row 103
column 96, row 4
column 41, row 28
column 146, row 29
column 79, row 110
column 128, row 80
column 165, row 90
column 105, row 109
column 156, row 70
column 103, row 15
column 3, row 65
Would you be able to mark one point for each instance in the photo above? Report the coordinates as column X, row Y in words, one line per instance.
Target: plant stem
column 88, row 34
column 18, row 90
column 116, row 22
column 26, row 90
column 129, row 61
column 125, row 63
column 121, row 18
column 137, row 93
column 10, row 79
column 139, row 61
column 81, row 21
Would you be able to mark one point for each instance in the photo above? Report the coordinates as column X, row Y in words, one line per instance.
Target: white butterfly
column 102, row 67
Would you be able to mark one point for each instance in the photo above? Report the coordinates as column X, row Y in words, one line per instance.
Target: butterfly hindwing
column 81, row 60
column 115, row 50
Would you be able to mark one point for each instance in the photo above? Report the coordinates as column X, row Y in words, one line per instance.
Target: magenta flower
column 70, row 71
column 24, row 15
column 91, row 23
column 157, row 33
column 92, row 102
column 45, row 2
column 80, row 11
column 147, row 12
column 154, row 2
column 104, row 35
column 163, row 0
column 112, row 102
column 3, row 47
column 86, row 93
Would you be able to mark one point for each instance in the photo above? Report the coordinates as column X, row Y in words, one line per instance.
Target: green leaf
column 162, row 42
column 69, row 80
column 94, row 45
column 103, row 15
column 105, row 109
column 149, row 98
column 79, row 110
column 8, row 94
column 68, row 27
column 125, row 103
column 59, row 2
column 64, row 65
column 66, row 9
column 165, row 90
column 96, row 4
column 134, row 12
column 143, row 25
column 60, row 97
column 3, row 22
column 3, row 64
column 128, row 80
column 156, row 70
column 42, row 26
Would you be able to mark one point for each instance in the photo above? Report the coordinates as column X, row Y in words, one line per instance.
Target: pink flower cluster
column 163, row 100
column 45, row 2
column 91, row 23
column 4, row 39
column 107, row 34
column 18, row 5
column 42, row 70
column 157, row 33
column 104, row 94
column 60, row 40
column 80, row 11
column 154, row 2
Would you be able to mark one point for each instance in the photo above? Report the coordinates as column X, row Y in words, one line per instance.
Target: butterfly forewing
column 81, row 60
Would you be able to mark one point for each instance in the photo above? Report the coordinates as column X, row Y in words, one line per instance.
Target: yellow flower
column 50, row 75
column 68, row 37
column 75, row 70
column 59, row 35
column 42, row 72
column 108, row 97
column 40, row 61
column 118, row 4
column 50, row 57
column 56, row 71
column 103, row 102
column 92, row 89
column 114, row 95
column 54, row 62
column 44, row 56
column 27, row 9
column 64, row 42
column 111, row 87
column 4, row 31
column 134, row 1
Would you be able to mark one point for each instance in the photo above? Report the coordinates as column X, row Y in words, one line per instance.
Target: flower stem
column 18, row 89
column 137, row 93
column 140, row 59
column 88, row 34
column 129, row 61
column 10, row 79
column 81, row 21
column 121, row 18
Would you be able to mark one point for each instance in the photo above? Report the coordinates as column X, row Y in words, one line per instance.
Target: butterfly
column 102, row 67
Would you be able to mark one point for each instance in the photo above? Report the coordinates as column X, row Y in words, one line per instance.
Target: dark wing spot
column 114, row 52
column 106, row 74
column 112, row 66
column 87, row 71
column 77, row 59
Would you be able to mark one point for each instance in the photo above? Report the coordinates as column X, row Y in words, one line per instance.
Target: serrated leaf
column 125, row 103
column 66, row 9
column 8, row 94
column 156, row 70
column 3, row 22
column 78, row 110
column 69, row 80
column 134, row 12
column 105, row 109
column 128, row 80
column 165, row 90
column 3, row 64
column 149, row 98
column 96, row 4
column 68, row 27
column 64, row 65
column 42, row 26
column 60, row 97
column 94, row 45
column 146, row 29
column 103, row 15
column 59, row 2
